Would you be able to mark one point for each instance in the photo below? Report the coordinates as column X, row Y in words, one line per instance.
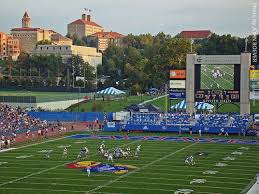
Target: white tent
column 110, row 91
column 198, row 105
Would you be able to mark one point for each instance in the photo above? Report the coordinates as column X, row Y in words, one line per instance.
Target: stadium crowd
column 14, row 120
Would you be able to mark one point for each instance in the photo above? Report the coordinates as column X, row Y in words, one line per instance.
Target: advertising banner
column 254, row 75
column 177, row 94
column 177, row 74
column 177, row 84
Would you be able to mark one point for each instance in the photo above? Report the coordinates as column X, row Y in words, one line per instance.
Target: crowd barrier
column 68, row 116
column 112, row 126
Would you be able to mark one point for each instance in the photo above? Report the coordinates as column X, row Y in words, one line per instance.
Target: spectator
column 200, row 132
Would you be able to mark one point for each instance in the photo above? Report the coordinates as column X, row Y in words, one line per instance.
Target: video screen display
column 217, row 83
column 217, row 77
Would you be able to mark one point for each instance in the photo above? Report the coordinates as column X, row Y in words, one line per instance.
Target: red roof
column 108, row 35
column 90, row 23
column 196, row 34
column 26, row 29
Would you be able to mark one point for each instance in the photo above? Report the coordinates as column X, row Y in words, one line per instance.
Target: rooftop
column 196, row 34
column 108, row 35
column 90, row 23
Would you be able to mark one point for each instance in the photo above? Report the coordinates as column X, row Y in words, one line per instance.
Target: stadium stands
column 177, row 119
column 210, row 123
column 14, row 120
column 214, row 120
column 138, row 118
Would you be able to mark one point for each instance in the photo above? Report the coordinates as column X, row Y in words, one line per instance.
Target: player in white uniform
column 47, row 156
column 88, row 170
column 137, row 150
column 110, row 157
column 128, row 150
column 102, row 146
column 189, row 160
column 85, row 151
column 65, row 153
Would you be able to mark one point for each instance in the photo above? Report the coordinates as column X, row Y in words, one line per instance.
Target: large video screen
column 217, row 83
column 217, row 77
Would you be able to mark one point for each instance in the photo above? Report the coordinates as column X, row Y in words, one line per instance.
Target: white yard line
column 48, row 169
column 133, row 182
column 53, row 190
column 140, row 177
column 138, row 169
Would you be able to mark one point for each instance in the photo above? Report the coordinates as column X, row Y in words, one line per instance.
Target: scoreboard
column 221, row 94
column 218, row 96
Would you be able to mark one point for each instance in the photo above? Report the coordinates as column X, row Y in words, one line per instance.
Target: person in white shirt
column 88, row 170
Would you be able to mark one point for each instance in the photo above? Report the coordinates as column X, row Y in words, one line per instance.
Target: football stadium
column 148, row 110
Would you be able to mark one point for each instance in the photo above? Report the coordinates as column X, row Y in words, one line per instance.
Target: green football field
column 160, row 168
column 223, row 82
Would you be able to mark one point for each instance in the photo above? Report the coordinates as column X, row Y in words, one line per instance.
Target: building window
column 47, row 48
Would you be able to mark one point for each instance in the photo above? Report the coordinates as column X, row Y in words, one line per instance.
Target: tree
column 44, row 42
column 77, row 41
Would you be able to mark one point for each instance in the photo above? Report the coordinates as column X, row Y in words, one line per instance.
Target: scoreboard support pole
column 245, row 59
column 190, row 74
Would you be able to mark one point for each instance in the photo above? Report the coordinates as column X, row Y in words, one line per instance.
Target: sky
column 135, row 16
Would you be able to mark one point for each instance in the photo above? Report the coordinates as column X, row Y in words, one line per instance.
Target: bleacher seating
column 14, row 120
column 203, row 120
column 139, row 118
column 241, row 121
column 177, row 119
column 213, row 120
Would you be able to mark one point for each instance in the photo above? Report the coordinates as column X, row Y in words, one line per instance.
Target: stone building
column 9, row 46
column 89, row 54
column 28, row 36
column 83, row 27
column 101, row 40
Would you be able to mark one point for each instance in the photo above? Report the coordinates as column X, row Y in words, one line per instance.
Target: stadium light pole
column 79, row 90
column 166, row 105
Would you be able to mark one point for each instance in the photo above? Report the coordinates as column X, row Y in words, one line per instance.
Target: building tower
column 26, row 20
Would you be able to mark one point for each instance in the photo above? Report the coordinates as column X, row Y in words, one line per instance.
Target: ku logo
column 164, row 127
column 145, row 127
column 183, row 191
column 198, row 181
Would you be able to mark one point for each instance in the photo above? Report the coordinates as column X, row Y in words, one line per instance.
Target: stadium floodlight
column 79, row 89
